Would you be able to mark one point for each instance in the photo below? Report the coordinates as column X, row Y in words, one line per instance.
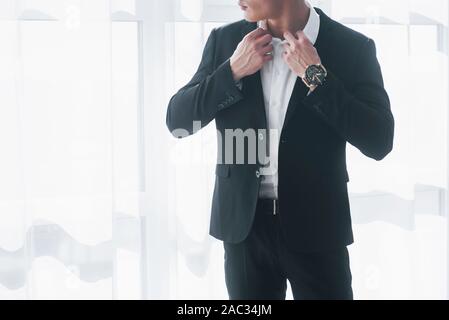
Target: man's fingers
column 291, row 39
column 267, row 49
column 256, row 33
column 267, row 58
column 264, row 40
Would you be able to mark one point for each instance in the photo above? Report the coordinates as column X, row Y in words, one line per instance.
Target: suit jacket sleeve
column 362, row 115
column 209, row 91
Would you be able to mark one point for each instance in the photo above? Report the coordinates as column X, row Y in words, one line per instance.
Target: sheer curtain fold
column 70, row 216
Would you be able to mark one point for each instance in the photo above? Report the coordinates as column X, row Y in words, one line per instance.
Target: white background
column 98, row 201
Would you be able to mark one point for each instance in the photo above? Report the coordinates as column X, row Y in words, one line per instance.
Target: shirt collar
column 312, row 27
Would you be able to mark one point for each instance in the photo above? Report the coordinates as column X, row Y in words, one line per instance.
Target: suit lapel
column 300, row 91
column 252, row 85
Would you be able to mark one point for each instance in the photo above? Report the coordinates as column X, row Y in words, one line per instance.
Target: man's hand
column 299, row 53
column 251, row 53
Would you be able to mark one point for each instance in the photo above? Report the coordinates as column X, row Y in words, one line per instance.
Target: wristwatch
column 315, row 75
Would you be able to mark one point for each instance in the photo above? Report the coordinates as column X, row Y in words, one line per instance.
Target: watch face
column 315, row 74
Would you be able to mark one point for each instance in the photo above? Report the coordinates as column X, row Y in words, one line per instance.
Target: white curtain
column 98, row 201
column 399, row 205
column 70, row 216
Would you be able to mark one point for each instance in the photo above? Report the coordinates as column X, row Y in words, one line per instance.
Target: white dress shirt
column 278, row 82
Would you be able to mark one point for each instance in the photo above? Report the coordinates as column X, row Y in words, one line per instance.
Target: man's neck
column 294, row 17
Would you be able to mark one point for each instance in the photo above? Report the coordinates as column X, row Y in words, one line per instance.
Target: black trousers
column 258, row 268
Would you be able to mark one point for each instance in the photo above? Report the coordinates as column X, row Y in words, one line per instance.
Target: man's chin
column 253, row 17
column 250, row 18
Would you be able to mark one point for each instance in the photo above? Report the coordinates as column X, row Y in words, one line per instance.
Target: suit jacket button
column 258, row 174
column 221, row 106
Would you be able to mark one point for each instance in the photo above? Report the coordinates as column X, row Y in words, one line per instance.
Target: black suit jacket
column 352, row 106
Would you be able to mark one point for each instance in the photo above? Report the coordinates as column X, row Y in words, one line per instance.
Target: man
column 291, row 69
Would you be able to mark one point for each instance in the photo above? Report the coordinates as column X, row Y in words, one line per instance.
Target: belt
column 268, row 206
